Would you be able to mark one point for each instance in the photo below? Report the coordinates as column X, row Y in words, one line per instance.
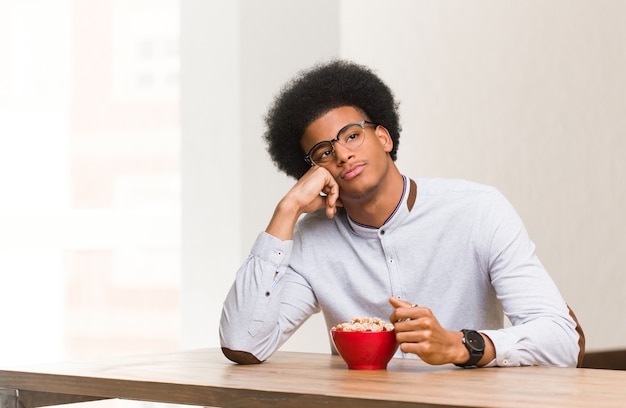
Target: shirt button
column 382, row 232
column 390, row 260
column 505, row 362
column 279, row 253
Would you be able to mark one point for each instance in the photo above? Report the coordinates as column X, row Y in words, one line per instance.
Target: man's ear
column 384, row 137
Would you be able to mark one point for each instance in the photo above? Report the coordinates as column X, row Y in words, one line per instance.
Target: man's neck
column 376, row 209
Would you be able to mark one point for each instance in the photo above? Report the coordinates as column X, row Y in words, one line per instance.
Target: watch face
column 475, row 340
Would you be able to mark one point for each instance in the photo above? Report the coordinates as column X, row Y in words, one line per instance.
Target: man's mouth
column 353, row 172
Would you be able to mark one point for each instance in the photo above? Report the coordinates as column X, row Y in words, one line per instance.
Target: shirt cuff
column 272, row 250
column 504, row 344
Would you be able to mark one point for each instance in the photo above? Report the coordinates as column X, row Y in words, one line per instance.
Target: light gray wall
column 210, row 130
column 527, row 96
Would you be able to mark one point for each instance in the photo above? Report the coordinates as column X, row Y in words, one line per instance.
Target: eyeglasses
column 350, row 136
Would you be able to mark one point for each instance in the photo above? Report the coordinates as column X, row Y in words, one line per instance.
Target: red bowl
column 365, row 350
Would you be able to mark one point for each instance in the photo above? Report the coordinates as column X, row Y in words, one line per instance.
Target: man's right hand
column 305, row 197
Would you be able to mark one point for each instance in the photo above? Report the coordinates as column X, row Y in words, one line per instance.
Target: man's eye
column 325, row 154
column 352, row 135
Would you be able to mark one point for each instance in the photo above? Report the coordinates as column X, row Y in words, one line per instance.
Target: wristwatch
column 475, row 344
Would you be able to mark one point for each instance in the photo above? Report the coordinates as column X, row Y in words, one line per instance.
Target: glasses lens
column 322, row 152
column 352, row 136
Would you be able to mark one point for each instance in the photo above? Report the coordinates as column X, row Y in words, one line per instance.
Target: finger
column 318, row 202
column 403, row 310
column 332, row 192
column 411, row 336
column 331, row 210
column 331, row 201
column 395, row 302
column 412, row 348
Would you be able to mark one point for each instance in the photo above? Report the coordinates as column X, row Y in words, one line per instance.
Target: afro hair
column 314, row 92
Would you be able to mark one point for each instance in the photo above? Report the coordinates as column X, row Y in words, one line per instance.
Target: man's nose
column 342, row 153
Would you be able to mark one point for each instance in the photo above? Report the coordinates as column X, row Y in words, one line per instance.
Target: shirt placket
column 391, row 260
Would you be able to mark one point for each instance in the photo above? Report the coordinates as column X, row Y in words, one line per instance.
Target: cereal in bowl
column 364, row 324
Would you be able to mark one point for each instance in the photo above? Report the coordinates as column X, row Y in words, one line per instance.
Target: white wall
column 527, row 96
column 235, row 56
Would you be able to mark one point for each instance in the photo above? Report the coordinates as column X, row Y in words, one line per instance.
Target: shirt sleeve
column 267, row 302
column 542, row 332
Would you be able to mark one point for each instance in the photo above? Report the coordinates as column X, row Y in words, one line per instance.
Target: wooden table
column 206, row 378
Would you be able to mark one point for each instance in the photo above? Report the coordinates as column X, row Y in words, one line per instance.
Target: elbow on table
column 232, row 346
column 572, row 351
column 240, row 357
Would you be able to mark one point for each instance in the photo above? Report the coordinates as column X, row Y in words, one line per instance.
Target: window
column 89, row 178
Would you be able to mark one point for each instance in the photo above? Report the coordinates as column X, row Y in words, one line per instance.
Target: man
column 444, row 259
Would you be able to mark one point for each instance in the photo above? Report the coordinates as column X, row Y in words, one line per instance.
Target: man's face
column 358, row 169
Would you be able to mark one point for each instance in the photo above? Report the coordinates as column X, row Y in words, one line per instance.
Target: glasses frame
column 332, row 141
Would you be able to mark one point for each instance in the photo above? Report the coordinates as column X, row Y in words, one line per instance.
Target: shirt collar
column 402, row 210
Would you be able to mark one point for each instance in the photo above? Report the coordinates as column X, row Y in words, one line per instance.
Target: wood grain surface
column 290, row 379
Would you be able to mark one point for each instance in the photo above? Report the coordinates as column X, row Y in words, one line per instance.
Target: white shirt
column 462, row 251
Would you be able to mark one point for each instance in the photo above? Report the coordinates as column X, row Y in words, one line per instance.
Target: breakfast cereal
column 364, row 324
